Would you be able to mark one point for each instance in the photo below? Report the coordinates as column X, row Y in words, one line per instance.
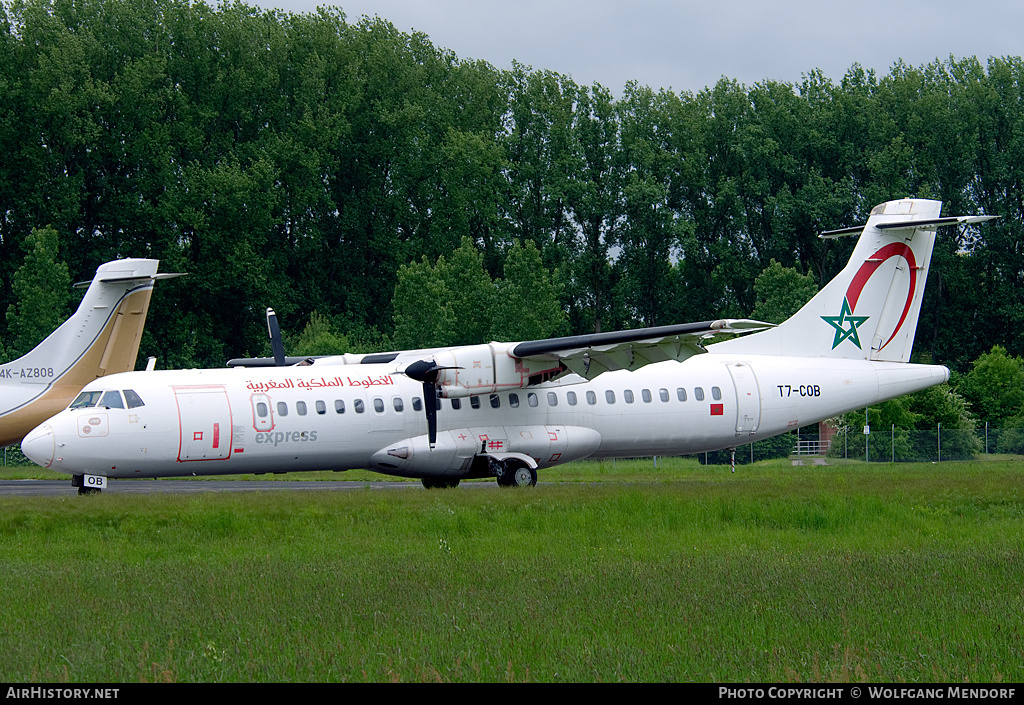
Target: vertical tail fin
column 870, row 310
column 102, row 337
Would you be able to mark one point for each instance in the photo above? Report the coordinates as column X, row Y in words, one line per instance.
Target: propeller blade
column 275, row 338
column 427, row 371
column 430, row 406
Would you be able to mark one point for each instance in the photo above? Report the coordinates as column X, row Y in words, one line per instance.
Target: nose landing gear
column 89, row 484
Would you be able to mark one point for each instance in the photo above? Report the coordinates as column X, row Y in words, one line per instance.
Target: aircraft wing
column 591, row 355
column 474, row 369
column 467, row 370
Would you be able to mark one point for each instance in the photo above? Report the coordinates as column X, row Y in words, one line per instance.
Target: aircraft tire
column 518, row 475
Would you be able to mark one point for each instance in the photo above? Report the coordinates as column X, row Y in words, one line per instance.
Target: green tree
column 471, row 294
column 942, row 411
column 455, row 302
column 593, row 193
column 649, row 230
column 781, row 292
column 422, row 312
column 447, row 303
column 41, row 292
column 994, row 386
column 541, row 156
column 526, row 303
column 319, row 338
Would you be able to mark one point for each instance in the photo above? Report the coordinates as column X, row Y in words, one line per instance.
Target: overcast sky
column 685, row 45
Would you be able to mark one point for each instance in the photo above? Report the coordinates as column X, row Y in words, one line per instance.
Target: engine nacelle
column 486, row 369
column 457, row 452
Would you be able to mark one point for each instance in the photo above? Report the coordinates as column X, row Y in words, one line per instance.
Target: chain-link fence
column 893, row 444
column 881, row 444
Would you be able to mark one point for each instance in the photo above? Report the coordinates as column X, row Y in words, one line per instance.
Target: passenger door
column 204, row 417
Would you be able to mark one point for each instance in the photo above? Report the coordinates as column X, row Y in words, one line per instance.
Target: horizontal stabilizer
column 911, row 225
column 129, row 279
column 937, row 223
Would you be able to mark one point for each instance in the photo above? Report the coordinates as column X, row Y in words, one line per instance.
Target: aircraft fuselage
column 229, row 421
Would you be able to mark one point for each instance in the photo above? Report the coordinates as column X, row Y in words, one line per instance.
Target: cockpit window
column 112, row 400
column 132, row 399
column 85, row 400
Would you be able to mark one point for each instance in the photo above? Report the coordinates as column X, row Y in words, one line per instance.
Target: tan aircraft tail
column 101, row 338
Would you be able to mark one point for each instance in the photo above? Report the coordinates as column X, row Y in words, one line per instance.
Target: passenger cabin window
column 591, row 398
column 628, row 396
column 321, row 408
column 531, row 399
column 609, row 396
column 282, row 409
column 300, row 406
column 417, row 404
column 716, row 393
column 339, row 406
column 474, row 402
column 399, row 404
column 571, row 398
column 645, row 394
column 552, row 399
column 698, row 393
column 513, row 401
column 132, row 399
column 681, row 393
column 359, row 406
column 378, row 405
column 262, row 410
column 663, row 393
column 456, row 404
column 495, row 401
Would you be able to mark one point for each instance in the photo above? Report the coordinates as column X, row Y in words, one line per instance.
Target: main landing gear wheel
column 519, row 475
column 433, row 483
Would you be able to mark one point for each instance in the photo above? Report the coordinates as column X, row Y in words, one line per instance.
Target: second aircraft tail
column 102, row 337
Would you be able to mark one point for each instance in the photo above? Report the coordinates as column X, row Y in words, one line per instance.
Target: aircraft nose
column 38, row 446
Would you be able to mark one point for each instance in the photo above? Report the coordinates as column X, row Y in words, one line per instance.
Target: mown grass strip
column 884, row 573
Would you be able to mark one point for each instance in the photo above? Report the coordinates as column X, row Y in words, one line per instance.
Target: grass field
column 848, row 572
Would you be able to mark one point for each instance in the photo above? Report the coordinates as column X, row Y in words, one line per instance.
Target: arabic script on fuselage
column 321, row 383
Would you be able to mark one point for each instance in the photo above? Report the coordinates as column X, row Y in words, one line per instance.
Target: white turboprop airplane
column 102, row 337
column 506, row 410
